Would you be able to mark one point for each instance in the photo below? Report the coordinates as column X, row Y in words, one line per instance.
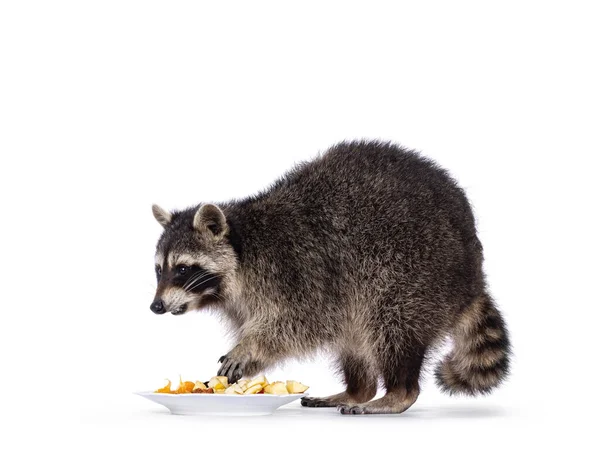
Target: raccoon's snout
column 158, row 307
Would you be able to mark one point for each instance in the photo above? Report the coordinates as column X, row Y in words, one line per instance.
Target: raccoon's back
column 357, row 210
column 366, row 187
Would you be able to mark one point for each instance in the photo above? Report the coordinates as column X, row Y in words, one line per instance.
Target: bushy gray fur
column 369, row 251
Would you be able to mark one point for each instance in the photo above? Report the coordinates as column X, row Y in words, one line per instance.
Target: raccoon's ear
column 163, row 217
column 210, row 218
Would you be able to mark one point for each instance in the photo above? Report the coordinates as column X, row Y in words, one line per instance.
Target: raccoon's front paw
column 317, row 402
column 230, row 368
column 235, row 365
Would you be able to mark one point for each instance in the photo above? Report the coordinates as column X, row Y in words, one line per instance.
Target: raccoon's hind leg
column 401, row 378
column 361, row 383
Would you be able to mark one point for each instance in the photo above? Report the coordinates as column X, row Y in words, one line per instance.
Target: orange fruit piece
column 185, row 387
column 165, row 390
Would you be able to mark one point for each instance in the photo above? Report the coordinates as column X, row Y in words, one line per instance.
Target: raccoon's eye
column 158, row 271
column 181, row 269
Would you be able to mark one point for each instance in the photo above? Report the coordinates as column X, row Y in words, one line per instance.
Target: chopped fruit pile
column 219, row 385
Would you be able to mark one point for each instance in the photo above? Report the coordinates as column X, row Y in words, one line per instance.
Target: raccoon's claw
column 222, row 358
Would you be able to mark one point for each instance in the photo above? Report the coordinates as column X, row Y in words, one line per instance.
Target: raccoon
column 368, row 251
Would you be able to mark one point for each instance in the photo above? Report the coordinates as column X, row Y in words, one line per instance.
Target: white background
column 109, row 106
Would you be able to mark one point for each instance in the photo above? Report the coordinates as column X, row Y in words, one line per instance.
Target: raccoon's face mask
column 193, row 259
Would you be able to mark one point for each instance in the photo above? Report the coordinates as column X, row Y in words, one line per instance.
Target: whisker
column 194, row 279
column 200, row 282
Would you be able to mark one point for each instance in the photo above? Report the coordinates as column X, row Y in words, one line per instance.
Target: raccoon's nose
column 158, row 307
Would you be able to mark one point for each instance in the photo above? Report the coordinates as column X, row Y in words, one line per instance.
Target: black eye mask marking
column 194, row 278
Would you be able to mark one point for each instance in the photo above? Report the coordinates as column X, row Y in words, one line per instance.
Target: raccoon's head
column 195, row 262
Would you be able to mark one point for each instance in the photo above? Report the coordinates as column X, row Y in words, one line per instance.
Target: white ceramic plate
column 221, row 404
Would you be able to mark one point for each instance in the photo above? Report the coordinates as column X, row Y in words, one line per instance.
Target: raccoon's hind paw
column 349, row 409
column 393, row 402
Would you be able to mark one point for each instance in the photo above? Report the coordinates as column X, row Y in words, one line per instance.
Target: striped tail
column 480, row 358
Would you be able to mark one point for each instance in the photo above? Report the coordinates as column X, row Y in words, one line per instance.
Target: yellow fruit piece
column 213, row 382
column 295, row 387
column 220, row 391
column 260, row 380
column 231, row 389
column 223, row 381
column 277, row 388
column 255, row 389
column 234, row 389
column 164, row 390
